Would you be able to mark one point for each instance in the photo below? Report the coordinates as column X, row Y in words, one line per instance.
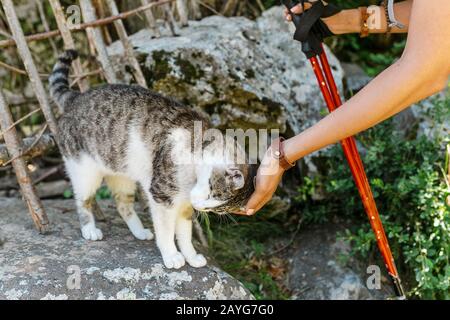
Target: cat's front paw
column 90, row 232
column 196, row 261
column 175, row 261
column 143, row 234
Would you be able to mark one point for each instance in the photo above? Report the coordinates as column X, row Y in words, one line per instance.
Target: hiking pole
column 310, row 32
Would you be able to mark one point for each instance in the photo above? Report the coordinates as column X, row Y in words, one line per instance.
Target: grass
column 244, row 248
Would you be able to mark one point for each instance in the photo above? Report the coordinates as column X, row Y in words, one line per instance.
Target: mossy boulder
column 243, row 73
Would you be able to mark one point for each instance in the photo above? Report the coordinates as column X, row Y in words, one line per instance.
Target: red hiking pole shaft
column 331, row 95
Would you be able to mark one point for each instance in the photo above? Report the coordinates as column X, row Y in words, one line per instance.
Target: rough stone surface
column 34, row 266
column 423, row 118
column 355, row 77
column 318, row 270
column 243, row 73
column 428, row 125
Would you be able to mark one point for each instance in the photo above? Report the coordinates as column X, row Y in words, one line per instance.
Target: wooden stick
column 45, row 24
column 197, row 14
column 100, row 10
column 83, row 26
column 151, row 20
column 28, row 150
column 48, row 173
column 170, row 20
column 41, row 147
column 182, row 9
column 229, row 7
column 12, row 68
column 128, row 48
column 260, row 5
column 68, row 42
column 13, row 145
column 28, row 62
column 96, row 35
column 20, row 120
column 85, row 75
column 46, row 75
column 207, row 6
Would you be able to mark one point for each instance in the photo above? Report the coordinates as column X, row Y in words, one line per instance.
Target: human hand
column 267, row 179
column 346, row 21
column 296, row 10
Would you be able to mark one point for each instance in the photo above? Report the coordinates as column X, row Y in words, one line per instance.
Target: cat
column 126, row 134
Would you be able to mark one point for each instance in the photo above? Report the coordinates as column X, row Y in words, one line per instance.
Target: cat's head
column 223, row 189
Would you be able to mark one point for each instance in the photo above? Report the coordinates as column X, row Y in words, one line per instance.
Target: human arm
column 349, row 20
column 422, row 70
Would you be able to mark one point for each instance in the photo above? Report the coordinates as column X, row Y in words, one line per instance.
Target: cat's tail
column 59, row 80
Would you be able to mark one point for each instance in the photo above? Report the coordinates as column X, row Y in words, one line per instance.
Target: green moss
column 233, row 76
column 160, row 67
column 243, row 250
column 251, row 104
column 176, row 88
column 249, row 74
column 190, row 72
column 257, row 113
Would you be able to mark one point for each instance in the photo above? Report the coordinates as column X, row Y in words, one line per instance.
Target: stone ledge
column 34, row 266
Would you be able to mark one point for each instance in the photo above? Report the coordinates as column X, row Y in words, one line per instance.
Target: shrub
column 408, row 178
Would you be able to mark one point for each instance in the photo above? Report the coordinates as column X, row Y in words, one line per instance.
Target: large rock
column 34, row 266
column 243, row 73
column 321, row 268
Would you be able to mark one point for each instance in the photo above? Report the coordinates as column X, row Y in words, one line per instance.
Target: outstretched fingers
column 257, row 201
column 296, row 10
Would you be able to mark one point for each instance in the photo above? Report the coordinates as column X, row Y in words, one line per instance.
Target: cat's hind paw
column 175, row 261
column 90, row 232
column 197, row 261
column 143, row 234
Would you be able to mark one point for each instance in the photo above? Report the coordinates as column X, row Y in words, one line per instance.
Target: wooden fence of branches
column 16, row 151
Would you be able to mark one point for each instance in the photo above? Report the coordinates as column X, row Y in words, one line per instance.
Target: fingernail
column 250, row 212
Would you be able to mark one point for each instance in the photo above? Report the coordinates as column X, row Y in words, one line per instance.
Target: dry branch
column 128, row 48
column 230, row 7
column 68, row 41
column 30, row 148
column 170, row 20
column 14, row 148
column 83, row 26
column 196, row 13
column 45, row 23
column 207, row 6
column 182, row 9
column 28, row 62
column 46, row 75
column 33, row 148
column 151, row 21
column 19, row 121
column 96, row 35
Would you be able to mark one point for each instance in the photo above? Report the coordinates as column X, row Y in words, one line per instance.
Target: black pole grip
column 310, row 29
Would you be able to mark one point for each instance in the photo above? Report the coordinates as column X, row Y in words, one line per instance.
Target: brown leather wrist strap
column 364, row 22
column 278, row 153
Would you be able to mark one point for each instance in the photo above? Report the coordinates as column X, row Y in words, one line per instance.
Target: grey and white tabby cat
column 126, row 134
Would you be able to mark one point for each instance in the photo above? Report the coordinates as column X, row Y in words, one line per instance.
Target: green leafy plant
column 410, row 187
column 243, row 250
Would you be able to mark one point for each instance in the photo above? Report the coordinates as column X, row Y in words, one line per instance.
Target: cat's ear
column 236, row 177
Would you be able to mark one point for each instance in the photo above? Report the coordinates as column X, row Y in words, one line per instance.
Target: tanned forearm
column 423, row 70
column 349, row 21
